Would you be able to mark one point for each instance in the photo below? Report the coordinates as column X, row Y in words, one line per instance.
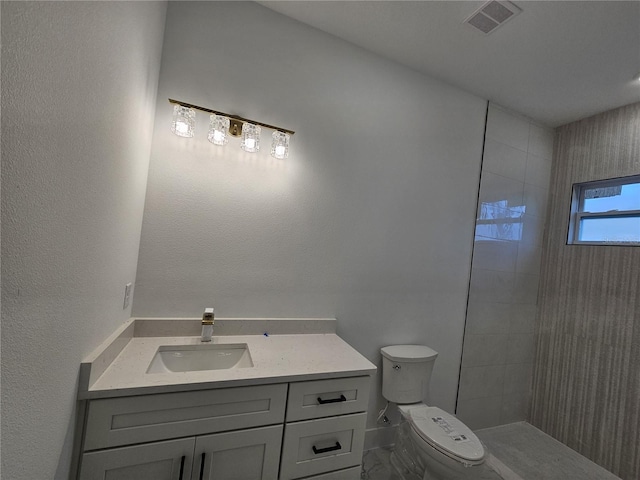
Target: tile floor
column 519, row 452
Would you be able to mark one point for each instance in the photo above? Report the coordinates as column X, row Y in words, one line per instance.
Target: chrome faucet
column 207, row 325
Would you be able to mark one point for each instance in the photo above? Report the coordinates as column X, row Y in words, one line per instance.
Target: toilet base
column 406, row 472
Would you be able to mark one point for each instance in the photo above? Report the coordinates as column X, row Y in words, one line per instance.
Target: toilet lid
column 408, row 353
column 445, row 432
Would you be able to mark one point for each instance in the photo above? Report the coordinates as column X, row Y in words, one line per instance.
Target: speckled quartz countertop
column 312, row 351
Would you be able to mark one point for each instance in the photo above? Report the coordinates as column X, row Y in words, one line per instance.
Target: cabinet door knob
column 337, row 446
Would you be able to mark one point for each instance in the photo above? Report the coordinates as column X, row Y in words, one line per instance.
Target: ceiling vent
column 491, row 15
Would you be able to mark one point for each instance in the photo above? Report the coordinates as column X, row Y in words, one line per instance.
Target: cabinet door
column 252, row 454
column 170, row 460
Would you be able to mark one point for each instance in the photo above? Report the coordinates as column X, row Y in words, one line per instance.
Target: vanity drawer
column 317, row 446
column 352, row 473
column 127, row 420
column 325, row 398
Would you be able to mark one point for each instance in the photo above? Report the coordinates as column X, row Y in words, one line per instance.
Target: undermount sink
column 189, row 358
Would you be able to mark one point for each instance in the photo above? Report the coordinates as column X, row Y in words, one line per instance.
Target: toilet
column 431, row 444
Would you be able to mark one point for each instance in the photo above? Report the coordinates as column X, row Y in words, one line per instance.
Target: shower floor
column 520, row 452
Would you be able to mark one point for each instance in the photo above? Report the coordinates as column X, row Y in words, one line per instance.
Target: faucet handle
column 208, row 316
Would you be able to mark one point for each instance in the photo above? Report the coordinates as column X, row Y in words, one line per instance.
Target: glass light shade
column 250, row 138
column 184, row 121
column 280, row 145
column 218, row 128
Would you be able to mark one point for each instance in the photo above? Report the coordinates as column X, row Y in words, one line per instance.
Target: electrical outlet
column 127, row 295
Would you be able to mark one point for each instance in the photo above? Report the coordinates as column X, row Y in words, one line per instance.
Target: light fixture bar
column 232, row 117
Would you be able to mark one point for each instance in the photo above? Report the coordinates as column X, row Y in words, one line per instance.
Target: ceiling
column 556, row 62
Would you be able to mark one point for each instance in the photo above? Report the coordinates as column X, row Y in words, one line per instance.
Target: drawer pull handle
column 341, row 398
column 202, row 465
column 182, row 466
column 337, row 446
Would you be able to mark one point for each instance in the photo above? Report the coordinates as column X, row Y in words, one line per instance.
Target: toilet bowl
column 431, row 444
column 435, row 445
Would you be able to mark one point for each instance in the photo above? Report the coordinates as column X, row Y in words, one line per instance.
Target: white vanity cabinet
column 324, row 431
column 239, row 433
column 297, row 413
column 138, row 437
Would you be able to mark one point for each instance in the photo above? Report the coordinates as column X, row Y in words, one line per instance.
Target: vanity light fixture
column 280, row 145
column 218, row 127
column 184, row 120
column 221, row 125
column 250, row 137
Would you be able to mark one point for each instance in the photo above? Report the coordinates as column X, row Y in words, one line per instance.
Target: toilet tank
column 406, row 372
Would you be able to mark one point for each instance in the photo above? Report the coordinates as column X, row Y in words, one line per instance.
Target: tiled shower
column 497, row 361
column 587, row 372
column 573, row 311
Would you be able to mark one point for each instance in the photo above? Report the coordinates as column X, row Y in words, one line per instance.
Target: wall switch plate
column 127, row 295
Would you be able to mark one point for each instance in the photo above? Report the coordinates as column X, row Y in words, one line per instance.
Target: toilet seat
column 447, row 434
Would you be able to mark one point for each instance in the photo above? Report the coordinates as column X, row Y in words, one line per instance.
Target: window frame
column 578, row 213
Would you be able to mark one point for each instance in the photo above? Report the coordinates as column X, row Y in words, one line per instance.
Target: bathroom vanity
column 292, row 406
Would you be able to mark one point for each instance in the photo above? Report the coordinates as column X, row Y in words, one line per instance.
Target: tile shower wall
column 497, row 361
column 587, row 375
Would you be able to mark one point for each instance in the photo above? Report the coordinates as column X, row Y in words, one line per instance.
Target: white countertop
column 276, row 358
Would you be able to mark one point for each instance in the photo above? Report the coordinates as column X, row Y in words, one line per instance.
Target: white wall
column 79, row 84
column 371, row 218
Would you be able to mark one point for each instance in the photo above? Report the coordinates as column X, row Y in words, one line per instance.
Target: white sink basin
column 189, row 358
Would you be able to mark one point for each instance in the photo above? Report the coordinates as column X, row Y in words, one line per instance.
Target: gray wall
column 371, row 218
column 497, row 362
column 79, row 84
column 587, row 372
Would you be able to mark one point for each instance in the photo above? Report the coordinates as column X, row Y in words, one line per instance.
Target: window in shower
column 606, row 212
